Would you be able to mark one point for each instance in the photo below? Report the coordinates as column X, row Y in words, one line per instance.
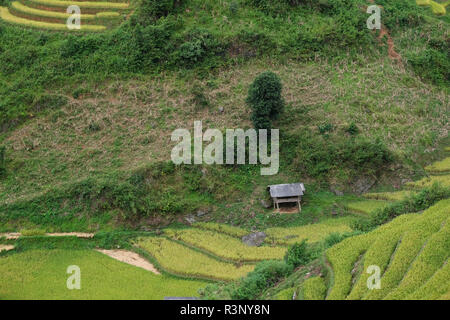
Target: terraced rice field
column 224, row 246
column 222, row 228
column 436, row 7
column 389, row 196
column 312, row 232
column 181, row 260
column 41, row 274
column 412, row 252
column 314, row 288
column 439, row 167
column 366, row 207
column 52, row 14
column 440, row 173
column 444, row 180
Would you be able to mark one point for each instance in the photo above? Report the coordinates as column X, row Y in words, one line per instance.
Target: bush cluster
column 264, row 97
column 318, row 155
column 2, row 160
column 150, row 10
column 298, row 254
column 266, row 274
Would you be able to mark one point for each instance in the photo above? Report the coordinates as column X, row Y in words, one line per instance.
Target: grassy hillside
column 87, row 119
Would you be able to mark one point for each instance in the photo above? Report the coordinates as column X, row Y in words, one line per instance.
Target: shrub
column 234, row 8
column 49, row 101
column 298, row 254
column 199, row 44
column 432, row 64
column 352, row 129
column 318, row 156
column 264, row 97
column 265, row 275
column 274, row 7
column 154, row 9
column 199, row 98
column 2, row 160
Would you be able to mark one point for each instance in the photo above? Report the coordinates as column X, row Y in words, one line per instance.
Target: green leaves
column 264, row 97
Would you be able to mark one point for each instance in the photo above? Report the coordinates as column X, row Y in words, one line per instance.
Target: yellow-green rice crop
column 410, row 246
column 345, row 254
column 47, row 14
column 18, row 6
column 367, row 206
column 180, row 260
column 430, row 259
column 312, row 232
column 379, row 254
column 285, row 294
column 437, row 8
column 41, row 274
column 8, row 17
column 107, row 15
column 222, row 228
column 440, row 166
column 411, row 252
column 436, row 287
column 83, row 4
column 389, row 196
column 314, row 289
column 445, row 296
column 443, row 180
column 225, row 246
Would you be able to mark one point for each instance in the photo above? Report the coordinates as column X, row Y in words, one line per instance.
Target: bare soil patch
column 131, row 258
column 10, row 236
column 5, row 247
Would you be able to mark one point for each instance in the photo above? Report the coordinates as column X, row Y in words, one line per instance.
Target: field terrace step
column 23, row 11
column 7, row 16
column 439, row 167
column 82, row 4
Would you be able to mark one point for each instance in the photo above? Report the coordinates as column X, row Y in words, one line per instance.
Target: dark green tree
column 264, row 97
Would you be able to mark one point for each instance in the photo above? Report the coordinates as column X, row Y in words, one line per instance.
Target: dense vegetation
column 85, row 126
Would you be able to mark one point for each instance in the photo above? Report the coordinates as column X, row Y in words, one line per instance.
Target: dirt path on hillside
column 394, row 55
column 4, row 247
column 384, row 32
column 10, row 236
column 131, row 258
column 71, row 234
column 17, row 235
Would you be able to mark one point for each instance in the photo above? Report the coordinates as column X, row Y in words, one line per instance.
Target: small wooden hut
column 287, row 193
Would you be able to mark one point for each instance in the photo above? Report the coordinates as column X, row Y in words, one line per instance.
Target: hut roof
column 286, row 190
